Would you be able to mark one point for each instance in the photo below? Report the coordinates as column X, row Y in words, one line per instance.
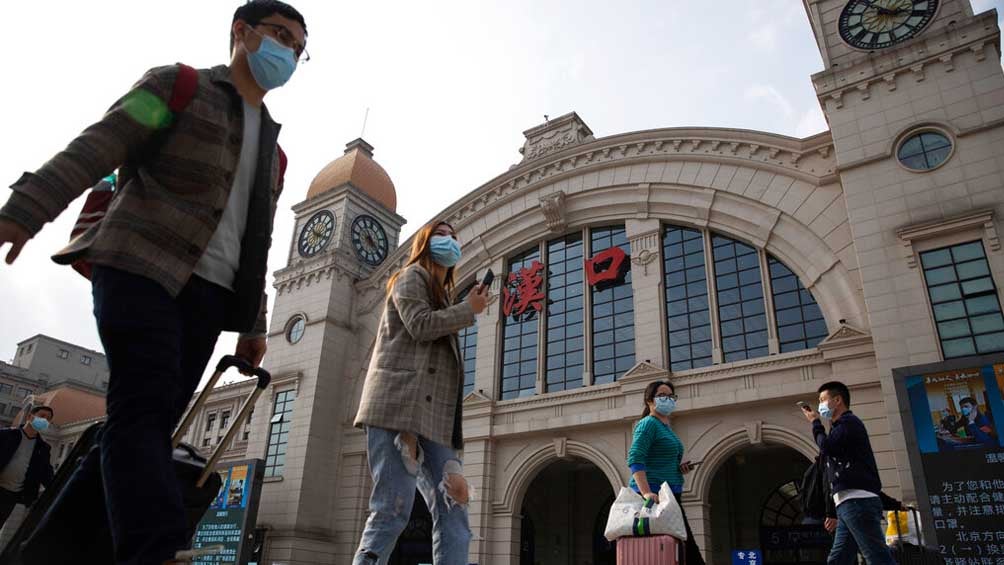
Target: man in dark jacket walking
column 24, row 462
column 853, row 477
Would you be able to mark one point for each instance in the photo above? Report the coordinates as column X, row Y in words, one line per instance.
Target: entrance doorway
column 564, row 514
column 754, row 505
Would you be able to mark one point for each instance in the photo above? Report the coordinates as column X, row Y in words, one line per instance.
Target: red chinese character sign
column 524, row 291
column 607, row 268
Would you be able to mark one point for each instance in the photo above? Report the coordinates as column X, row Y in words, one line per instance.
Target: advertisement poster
column 231, row 518
column 957, row 416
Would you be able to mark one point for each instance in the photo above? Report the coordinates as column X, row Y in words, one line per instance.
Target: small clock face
column 369, row 240
column 316, row 233
column 875, row 24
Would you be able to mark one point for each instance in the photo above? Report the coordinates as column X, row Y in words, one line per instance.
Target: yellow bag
column 907, row 528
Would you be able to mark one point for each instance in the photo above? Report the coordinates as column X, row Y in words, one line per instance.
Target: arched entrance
column 754, row 505
column 561, row 510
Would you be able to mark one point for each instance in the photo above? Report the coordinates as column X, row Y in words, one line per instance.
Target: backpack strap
column 184, row 88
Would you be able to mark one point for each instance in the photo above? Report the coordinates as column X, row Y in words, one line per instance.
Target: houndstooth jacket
column 415, row 377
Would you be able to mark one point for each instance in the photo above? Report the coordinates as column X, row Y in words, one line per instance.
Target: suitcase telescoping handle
column 228, row 361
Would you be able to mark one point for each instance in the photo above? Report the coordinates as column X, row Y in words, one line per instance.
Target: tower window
column 964, row 299
column 924, row 151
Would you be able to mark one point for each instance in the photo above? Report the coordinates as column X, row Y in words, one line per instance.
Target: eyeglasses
column 286, row 37
column 667, row 396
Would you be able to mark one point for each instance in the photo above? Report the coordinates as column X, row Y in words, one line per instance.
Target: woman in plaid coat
column 410, row 405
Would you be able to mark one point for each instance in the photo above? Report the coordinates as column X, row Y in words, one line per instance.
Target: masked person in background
column 656, row 455
column 24, row 462
column 853, row 476
column 180, row 256
column 411, row 403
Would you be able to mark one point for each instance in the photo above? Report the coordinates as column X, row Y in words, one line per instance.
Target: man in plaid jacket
column 179, row 257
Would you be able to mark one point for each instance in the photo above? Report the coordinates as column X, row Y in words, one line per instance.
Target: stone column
column 646, row 275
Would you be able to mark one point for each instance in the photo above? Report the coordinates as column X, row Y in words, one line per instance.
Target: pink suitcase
column 652, row 550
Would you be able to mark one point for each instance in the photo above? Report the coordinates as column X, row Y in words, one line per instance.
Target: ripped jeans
column 396, row 474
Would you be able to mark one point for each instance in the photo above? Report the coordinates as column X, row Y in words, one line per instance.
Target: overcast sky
column 450, row 87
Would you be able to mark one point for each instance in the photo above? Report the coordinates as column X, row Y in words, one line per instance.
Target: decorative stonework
column 643, row 371
column 555, row 135
column 845, row 335
column 889, row 67
column 754, row 432
column 560, row 444
column 980, row 219
column 553, row 207
column 643, row 258
column 645, row 250
column 306, row 272
column 789, row 156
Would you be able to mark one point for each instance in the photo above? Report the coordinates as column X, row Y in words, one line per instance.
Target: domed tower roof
column 357, row 167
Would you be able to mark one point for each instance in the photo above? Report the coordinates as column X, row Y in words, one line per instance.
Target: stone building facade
column 759, row 266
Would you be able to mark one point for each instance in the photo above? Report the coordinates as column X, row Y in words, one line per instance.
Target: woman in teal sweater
column 656, row 455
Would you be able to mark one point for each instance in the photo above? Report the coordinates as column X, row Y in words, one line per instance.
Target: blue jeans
column 396, row 475
column 859, row 528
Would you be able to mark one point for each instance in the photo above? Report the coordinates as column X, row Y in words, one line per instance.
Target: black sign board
column 953, row 416
column 231, row 519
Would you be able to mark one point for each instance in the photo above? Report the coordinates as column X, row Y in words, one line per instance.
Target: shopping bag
column 902, row 527
column 632, row 515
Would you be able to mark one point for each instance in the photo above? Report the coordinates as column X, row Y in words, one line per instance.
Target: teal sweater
column 656, row 450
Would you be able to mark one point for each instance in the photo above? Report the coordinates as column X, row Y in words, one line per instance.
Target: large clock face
column 875, row 24
column 369, row 240
column 316, row 233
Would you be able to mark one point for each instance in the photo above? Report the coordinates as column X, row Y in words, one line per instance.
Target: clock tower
column 345, row 228
column 914, row 96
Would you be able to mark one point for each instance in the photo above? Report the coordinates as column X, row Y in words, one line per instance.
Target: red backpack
column 100, row 197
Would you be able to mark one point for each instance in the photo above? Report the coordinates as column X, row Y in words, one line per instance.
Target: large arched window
column 739, row 313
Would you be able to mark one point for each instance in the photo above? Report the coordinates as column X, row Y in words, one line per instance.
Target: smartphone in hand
column 804, row 406
column 489, row 278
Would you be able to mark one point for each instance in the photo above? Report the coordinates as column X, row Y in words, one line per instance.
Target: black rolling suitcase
column 71, row 527
column 909, row 554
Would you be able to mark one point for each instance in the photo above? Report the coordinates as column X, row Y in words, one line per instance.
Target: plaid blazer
column 415, row 378
column 177, row 173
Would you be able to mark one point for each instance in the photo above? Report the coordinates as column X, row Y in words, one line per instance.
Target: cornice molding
column 913, row 61
column 979, row 219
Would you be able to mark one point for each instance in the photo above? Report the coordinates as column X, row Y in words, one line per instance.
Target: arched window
column 800, row 323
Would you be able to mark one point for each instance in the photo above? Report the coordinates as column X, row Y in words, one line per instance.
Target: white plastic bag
column 629, row 517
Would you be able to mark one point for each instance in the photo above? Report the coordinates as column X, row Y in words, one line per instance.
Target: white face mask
column 824, row 411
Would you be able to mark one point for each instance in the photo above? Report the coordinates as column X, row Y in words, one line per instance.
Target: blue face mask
column 967, row 410
column 445, row 250
column 40, row 424
column 272, row 64
column 824, row 411
column 665, row 406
